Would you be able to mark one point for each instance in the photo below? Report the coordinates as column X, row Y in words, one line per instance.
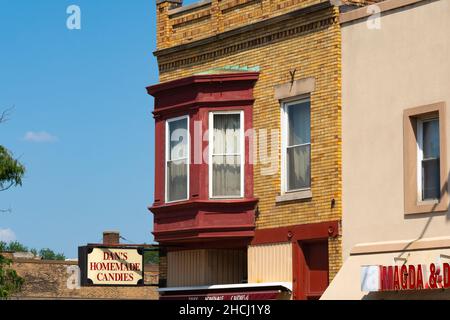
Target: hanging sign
column 113, row 266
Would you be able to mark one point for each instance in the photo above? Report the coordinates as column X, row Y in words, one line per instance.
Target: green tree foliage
column 15, row 247
column 11, row 174
column 10, row 281
column 48, row 254
column 151, row 257
column 11, row 170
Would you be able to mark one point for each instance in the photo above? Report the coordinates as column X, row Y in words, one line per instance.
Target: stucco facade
column 393, row 65
column 402, row 65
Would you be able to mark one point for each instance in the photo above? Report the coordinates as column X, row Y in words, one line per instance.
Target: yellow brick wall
column 310, row 44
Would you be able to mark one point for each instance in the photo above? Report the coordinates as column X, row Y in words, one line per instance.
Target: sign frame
column 84, row 251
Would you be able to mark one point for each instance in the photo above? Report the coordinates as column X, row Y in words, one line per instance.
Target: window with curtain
column 297, row 145
column 226, row 155
column 429, row 156
column 177, row 164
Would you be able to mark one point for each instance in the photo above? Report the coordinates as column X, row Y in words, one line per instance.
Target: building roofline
column 384, row 6
column 246, row 28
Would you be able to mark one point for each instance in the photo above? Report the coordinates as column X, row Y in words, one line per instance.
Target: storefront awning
column 350, row 281
column 256, row 291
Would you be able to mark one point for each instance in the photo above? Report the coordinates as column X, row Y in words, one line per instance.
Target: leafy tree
column 16, row 246
column 48, row 254
column 10, row 281
column 151, row 257
column 11, row 174
column 11, row 171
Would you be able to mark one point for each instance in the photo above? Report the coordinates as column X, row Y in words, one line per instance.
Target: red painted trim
column 200, row 218
column 223, row 205
column 297, row 233
column 237, row 243
column 205, row 78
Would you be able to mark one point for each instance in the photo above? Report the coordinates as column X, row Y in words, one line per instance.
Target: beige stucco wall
column 270, row 263
column 404, row 64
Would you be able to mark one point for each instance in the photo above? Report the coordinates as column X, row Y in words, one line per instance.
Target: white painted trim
column 420, row 123
column 284, row 141
column 211, row 148
column 188, row 162
column 419, row 143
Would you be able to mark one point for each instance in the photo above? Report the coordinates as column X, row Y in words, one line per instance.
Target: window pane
column 178, row 139
column 226, row 177
column 226, row 134
column 431, row 139
column 298, row 167
column 431, row 179
column 176, row 180
column 299, row 124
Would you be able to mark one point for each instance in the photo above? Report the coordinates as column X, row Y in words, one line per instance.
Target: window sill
column 428, row 206
column 297, row 195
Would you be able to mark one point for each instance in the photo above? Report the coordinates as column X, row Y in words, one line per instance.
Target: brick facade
column 278, row 37
column 46, row 279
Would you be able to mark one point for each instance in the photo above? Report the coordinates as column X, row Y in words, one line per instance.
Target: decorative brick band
column 191, row 18
column 245, row 45
column 235, row 4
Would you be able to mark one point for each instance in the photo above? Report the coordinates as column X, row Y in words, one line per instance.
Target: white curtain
column 226, row 157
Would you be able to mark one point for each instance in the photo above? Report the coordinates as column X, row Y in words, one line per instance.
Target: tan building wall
column 270, row 263
column 385, row 71
column 46, row 279
column 309, row 43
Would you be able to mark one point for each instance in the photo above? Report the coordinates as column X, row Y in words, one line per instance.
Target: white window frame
column 167, row 150
column 420, row 123
column 211, row 148
column 284, row 141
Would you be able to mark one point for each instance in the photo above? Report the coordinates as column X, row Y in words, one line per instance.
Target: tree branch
column 4, row 116
column 6, row 188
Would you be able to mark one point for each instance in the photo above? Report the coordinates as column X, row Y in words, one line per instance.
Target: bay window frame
column 166, row 157
column 211, row 151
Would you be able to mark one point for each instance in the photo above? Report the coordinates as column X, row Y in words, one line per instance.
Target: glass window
column 226, row 162
column 297, row 151
column 177, row 153
column 429, row 156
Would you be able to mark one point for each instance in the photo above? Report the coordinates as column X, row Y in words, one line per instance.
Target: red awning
column 254, row 295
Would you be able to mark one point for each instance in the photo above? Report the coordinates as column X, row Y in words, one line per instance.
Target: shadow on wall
column 430, row 216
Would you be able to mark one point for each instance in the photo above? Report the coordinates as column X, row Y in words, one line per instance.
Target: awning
column 348, row 283
column 256, row 291
column 257, row 295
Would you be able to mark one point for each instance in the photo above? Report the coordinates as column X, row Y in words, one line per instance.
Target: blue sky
column 82, row 122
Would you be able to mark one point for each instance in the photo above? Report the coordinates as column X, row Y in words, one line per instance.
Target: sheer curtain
column 298, row 146
column 226, row 157
column 177, row 157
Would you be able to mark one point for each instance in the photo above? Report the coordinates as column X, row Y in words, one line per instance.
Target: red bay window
column 203, row 176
